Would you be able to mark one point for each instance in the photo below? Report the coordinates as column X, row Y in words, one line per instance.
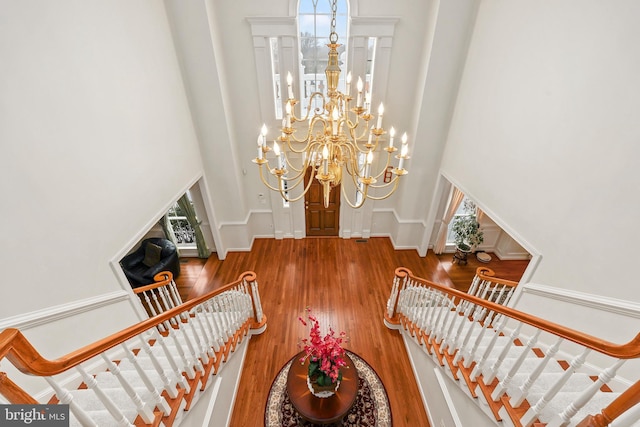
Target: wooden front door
column 321, row 221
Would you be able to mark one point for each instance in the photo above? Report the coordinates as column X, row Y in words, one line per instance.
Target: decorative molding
column 612, row 305
column 511, row 256
column 273, row 26
column 373, row 26
column 58, row 312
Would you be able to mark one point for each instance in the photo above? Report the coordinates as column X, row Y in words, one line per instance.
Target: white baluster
column 188, row 366
column 171, row 358
column 474, row 285
column 521, row 394
column 144, row 409
column 459, row 315
column 167, row 299
column 155, row 304
column 217, row 333
column 149, row 304
column 67, row 399
column 533, row 412
column 469, row 355
column 441, row 319
column 194, row 359
column 169, row 386
column 200, row 349
column 474, row 324
column 201, row 318
column 234, row 303
column 174, row 292
column 155, row 395
column 471, row 312
column 256, row 300
column 480, row 365
column 429, row 306
column 391, row 302
column 501, row 388
column 115, row 412
column 436, row 312
column 219, row 320
column 224, row 319
column 604, row 377
column 490, row 373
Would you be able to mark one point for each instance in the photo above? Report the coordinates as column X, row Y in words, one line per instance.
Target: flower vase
column 322, row 391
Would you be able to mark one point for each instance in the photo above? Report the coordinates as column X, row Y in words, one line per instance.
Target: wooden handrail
column 161, row 279
column 627, row 400
column 15, row 347
column 488, row 274
column 629, row 350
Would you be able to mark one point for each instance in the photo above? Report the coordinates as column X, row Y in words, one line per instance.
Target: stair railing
column 484, row 342
column 180, row 348
column 160, row 296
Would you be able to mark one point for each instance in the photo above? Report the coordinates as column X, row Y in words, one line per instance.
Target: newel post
column 259, row 324
column 391, row 318
column 616, row 409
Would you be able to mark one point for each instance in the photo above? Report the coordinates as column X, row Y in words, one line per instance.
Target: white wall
column 96, row 140
column 545, row 134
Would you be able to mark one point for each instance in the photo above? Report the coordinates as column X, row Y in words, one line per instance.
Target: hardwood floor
column 346, row 283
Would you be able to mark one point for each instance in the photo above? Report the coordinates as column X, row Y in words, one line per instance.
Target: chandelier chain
column 333, row 37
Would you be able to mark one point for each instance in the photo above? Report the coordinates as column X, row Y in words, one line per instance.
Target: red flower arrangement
column 326, row 355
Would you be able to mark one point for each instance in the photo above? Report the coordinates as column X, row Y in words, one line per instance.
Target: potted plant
column 466, row 229
column 326, row 357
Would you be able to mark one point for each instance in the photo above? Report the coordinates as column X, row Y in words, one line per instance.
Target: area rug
column 371, row 408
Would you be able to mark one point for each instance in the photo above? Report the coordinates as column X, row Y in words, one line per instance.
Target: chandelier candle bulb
column 359, row 86
column 288, row 111
column 370, row 135
column 263, row 132
column 325, row 160
column 392, row 133
column 380, row 113
column 289, row 87
column 348, row 91
column 276, row 151
column 403, row 152
column 367, row 102
column 367, row 168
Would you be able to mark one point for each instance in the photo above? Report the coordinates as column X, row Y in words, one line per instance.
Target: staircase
column 516, row 369
column 151, row 373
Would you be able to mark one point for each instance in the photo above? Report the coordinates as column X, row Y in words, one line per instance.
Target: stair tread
column 560, row 402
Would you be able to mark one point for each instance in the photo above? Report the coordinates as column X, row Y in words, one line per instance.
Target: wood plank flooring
column 346, row 283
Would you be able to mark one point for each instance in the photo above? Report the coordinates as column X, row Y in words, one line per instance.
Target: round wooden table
column 316, row 409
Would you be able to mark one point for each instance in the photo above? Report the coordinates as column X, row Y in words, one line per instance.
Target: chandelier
column 332, row 141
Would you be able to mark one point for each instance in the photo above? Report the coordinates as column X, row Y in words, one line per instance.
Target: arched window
column 314, row 25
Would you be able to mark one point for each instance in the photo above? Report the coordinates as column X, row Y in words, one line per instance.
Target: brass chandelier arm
column 366, row 195
column 295, row 199
column 317, row 110
column 353, row 130
column 354, row 205
column 290, row 166
column 281, row 191
column 264, row 181
column 395, row 182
